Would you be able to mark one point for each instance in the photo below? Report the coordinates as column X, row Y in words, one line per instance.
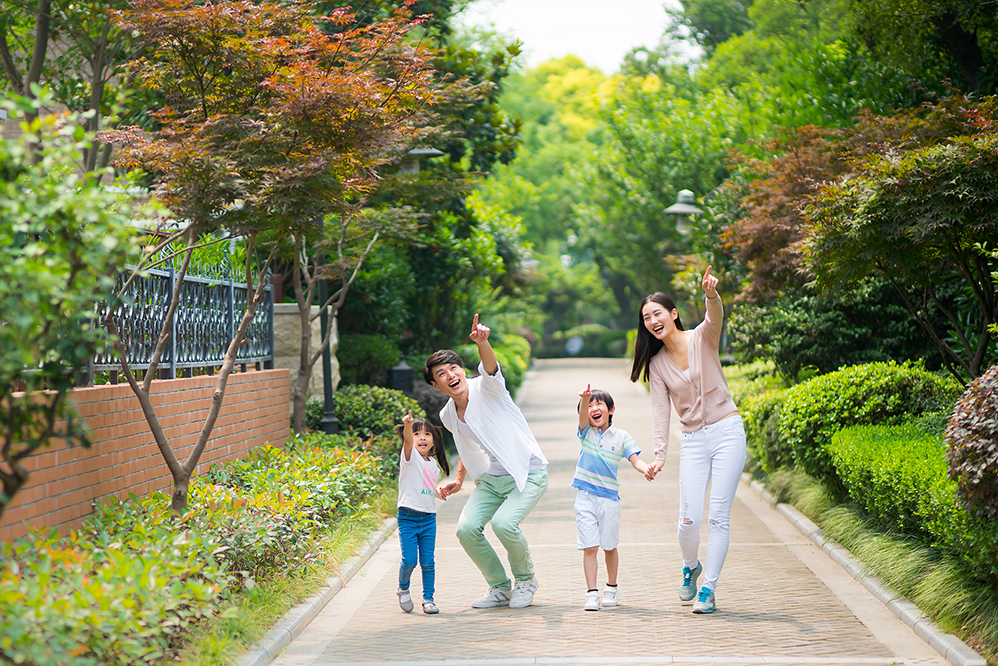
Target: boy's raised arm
column 480, row 336
column 584, row 397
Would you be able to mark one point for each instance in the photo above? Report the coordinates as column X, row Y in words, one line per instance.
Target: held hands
column 654, row 469
column 710, row 284
column 479, row 332
column 445, row 490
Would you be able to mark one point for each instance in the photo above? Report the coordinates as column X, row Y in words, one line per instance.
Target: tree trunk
column 962, row 46
column 181, row 484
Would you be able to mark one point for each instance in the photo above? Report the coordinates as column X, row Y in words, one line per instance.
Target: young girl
column 417, row 509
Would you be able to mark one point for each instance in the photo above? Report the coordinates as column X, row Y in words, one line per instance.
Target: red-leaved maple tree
column 267, row 127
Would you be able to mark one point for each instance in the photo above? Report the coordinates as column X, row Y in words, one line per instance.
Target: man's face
column 450, row 379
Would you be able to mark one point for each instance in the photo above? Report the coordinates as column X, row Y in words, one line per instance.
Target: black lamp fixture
column 411, row 163
column 684, row 207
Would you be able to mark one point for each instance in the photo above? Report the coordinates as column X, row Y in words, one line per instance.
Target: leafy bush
column 366, row 359
column 118, row 592
column 872, row 394
column 368, row 411
column 383, row 449
column 899, row 476
column 761, row 413
column 972, row 441
column 123, row 588
column 826, row 332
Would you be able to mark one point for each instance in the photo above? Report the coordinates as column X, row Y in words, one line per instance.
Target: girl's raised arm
column 407, row 435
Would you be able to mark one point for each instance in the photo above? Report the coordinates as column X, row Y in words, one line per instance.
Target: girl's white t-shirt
column 418, row 482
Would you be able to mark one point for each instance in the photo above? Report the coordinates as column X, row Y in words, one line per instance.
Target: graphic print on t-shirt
column 429, row 480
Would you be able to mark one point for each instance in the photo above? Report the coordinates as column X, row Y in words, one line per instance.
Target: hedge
column 899, row 475
column 364, row 411
column 872, row 394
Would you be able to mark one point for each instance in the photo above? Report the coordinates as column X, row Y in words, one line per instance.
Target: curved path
column 780, row 599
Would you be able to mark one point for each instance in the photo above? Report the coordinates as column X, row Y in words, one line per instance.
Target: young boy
column 597, row 504
column 495, row 446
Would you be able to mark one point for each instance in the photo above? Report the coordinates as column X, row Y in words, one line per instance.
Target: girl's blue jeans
column 418, row 536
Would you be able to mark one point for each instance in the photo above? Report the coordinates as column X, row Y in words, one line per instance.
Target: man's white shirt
column 493, row 428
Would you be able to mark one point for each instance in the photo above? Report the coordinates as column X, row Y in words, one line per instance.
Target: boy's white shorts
column 597, row 520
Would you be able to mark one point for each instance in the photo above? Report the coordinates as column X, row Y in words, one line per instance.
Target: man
column 495, row 446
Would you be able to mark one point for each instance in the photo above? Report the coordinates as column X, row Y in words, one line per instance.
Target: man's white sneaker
column 592, row 600
column 610, row 596
column 405, row 601
column 523, row 593
column 495, row 598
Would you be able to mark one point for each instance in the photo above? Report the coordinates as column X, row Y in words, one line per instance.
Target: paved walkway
column 780, row 600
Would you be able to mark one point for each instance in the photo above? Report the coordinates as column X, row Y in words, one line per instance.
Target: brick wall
column 65, row 482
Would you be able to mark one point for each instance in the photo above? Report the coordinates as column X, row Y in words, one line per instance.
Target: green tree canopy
column 915, row 218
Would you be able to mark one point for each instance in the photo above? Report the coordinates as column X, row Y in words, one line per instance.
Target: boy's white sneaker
column 495, row 598
column 592, row 601
column 610, row 596
column 523, row 593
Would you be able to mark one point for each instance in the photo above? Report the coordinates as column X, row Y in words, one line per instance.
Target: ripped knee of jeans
column 684, row 514
column 718, row 523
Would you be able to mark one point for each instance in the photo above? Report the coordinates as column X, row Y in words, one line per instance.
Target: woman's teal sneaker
column 688, row 589
column 705, row 602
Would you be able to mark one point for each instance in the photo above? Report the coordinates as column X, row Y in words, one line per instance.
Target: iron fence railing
column 210, row 308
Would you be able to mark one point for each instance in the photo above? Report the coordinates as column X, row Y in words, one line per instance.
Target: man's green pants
column 496, row 499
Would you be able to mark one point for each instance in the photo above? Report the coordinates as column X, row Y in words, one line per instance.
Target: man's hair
column 440, row 357
column 602, row 396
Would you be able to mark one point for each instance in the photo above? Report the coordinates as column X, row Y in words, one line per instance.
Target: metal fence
column 211, row 305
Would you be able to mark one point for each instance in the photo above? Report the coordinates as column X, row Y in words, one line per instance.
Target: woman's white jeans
column 714, row 456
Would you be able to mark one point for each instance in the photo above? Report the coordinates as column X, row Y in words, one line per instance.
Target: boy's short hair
column 602, row 396
column 440, row 357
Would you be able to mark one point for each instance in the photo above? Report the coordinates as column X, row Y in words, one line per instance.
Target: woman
column 684, row 370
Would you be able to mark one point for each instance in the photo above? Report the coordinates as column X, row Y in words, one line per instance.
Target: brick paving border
column 947, row 645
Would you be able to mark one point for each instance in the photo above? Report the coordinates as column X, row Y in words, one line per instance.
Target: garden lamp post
column 410, row 165
column 684, row 207
column 401, row 376
column 329, row 423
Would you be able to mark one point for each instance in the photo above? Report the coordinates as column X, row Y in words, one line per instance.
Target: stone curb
column 297, row 619
column 947, row 645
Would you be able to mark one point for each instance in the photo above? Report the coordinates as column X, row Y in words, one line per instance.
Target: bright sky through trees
column 600, row 33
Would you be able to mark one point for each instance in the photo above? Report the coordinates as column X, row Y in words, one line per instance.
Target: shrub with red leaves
column 972, row 445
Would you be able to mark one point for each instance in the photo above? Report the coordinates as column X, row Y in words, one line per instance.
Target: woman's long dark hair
column 646, row 345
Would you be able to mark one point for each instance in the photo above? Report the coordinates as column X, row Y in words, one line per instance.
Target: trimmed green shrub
column 366, row 359
column 872, row 394
column 972, row 442
column 363, row 411
column 889, row 470
column 761, row 414
column 370, row 411
column 900, row 477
